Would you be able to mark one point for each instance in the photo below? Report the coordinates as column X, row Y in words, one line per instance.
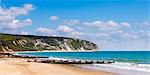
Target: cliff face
column 10, row 43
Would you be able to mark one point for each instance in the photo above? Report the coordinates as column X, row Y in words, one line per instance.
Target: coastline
column 19, row 66
column 55, row 51
column 119, row 68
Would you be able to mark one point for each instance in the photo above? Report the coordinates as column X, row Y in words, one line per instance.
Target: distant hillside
column 11, row 43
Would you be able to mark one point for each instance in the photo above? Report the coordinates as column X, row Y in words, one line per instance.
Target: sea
column 126, row 62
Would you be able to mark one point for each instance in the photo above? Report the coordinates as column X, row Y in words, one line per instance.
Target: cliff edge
column 12, row 43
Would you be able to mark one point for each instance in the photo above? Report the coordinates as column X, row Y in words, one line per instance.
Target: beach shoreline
column 54, row 51
column 116, row 68
column 20, row 66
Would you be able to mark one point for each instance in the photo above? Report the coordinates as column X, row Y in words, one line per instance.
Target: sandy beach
column 18, row 66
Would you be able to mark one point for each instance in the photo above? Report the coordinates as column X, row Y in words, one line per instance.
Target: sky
column 111, row 24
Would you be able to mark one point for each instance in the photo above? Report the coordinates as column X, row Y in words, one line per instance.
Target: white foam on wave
column 128, row 66
column 122, row 68
column 55, row 58
column 132, row 66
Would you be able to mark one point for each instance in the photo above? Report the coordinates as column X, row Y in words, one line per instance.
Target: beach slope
column 33, row 68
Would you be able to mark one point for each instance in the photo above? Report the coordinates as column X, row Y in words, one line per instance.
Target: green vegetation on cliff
column 10, row 43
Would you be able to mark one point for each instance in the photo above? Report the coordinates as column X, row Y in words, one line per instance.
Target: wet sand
column 19, row 66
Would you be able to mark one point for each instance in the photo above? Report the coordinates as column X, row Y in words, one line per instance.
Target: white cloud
column 148, row 34
column 145, row 25
column 8, row 17
column 16, row 11
column 54, row 18
column 28, row 7
column 24, row 33
column 15, row 23
column 107, row 34
column 65, row 29
column 43, row 30
column 27, row 22
column 129, row 36
column 71, row 22
column 4, row 18
column 104, row 35
column 125, row 24
column 76, row 33
column 109, row 25
column 93, row 24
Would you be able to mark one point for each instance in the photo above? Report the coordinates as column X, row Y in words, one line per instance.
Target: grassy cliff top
column 15, row 42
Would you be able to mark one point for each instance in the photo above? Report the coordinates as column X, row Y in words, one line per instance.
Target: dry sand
column 20, row 67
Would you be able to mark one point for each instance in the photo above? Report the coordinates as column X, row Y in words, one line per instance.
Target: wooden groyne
column 5, row 55
column 56, row 60
column 19, row 56
column 25, row 56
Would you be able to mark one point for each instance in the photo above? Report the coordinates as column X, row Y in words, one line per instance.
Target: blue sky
column 112, row 24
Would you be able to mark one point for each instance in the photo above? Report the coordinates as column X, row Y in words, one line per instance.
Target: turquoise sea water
column 120, row 56
column 126, row 62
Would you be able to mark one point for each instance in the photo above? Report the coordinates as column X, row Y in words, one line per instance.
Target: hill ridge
column 16, row 42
